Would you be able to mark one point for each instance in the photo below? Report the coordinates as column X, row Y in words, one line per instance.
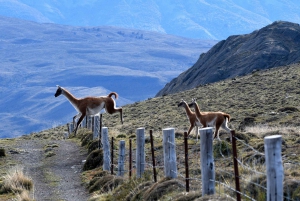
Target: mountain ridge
column 275, row 45
column 194, row 19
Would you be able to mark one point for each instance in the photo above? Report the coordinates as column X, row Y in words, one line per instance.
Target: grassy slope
column 264, row 97
column 267, row 100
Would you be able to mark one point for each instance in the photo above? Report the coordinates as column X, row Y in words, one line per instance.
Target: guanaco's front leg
column 78, row 122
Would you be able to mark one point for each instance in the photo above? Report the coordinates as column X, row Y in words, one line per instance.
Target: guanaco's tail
column 227, row 116
column 113, row 93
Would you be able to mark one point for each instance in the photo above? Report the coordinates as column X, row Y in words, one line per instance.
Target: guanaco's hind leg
column 217, row 133
column 111, row 109
column 225, row 127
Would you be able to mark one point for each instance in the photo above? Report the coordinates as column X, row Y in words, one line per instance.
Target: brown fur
column 90, row 105
column 207, row 118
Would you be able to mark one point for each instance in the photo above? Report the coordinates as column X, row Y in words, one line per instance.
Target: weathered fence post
column 85, row 122
column 88, row 122
column 153, row 157
column 207, row 161
column 112, row 156
column 106, row 149
column 169, row 147
column 236, row 167
column 140, row 152
column 186, row 162
column 66, row 135
column 68, row 126
column 71, row 128
column 96, row 127
column 121, row 159
column 275, row 171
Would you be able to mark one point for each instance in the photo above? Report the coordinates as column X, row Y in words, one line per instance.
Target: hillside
column 88, row 61
column 263, row 97
column 277, row 44
column 193, row 19
column 263, row 103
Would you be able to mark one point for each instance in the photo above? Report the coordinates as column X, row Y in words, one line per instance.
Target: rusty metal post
column 112, row 156
column 186, row 154
column 93, row 119
column 130, row 159
column 236, row 168
column 153, row 157
column 86, row 121
column 100, row 132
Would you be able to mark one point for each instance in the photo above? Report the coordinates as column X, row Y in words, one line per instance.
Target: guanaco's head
column 182, row 103
column 193, row 103
column 58, row 91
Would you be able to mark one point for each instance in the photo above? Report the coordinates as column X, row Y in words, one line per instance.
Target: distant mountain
column 85, row 60
column 277, row 44
column 212, row 19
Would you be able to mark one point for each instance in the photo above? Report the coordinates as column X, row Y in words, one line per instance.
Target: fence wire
column 251, row 164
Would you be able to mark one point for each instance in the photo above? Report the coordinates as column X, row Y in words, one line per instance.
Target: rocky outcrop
column 275, row 45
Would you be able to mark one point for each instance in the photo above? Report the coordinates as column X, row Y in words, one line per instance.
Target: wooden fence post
column 96, row 127
column 71, row 128
column 207, row 161
column 88, row 122
column 236, row 167
column 84, row 122
column 169, row 147
column 121, row 159
column 106, row 149
column 140, row 152
column 275, row 171
column 186, row 162
column 153, row 157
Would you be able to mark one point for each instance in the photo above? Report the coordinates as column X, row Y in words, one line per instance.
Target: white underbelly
column 95, row 110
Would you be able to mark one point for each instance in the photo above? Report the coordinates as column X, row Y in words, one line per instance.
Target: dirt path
column 56, row 177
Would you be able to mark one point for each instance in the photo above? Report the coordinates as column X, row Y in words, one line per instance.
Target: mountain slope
column 274, row 45
column 85, row 60
column 268, row 97
column 195, row 19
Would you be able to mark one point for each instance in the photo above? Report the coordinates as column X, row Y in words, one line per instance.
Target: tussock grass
column 16, row 181
column 24, row 196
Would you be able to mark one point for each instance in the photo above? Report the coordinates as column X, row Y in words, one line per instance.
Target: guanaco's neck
column 70, row 97
column 187, row 109
column 197, row 110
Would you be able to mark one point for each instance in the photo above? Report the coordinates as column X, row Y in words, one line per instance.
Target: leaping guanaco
column 90, row 106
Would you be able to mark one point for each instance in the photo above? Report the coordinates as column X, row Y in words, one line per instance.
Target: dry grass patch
column 15, row 181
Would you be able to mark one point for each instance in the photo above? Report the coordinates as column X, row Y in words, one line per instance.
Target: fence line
column 253, row 164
